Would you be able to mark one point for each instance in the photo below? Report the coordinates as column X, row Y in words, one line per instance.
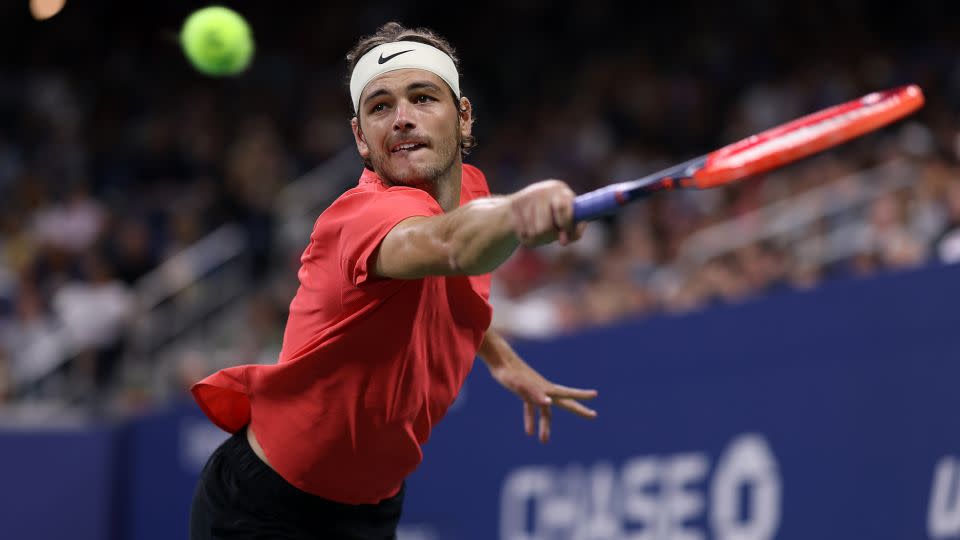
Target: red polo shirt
column 368, row 364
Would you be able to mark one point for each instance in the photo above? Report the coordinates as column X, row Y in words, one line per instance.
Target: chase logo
column 943, row 517
column 649, row 497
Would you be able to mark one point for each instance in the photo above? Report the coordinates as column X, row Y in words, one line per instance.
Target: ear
column 466, row 117
column 359, row 138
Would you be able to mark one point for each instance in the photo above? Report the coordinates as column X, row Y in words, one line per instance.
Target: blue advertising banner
column 57, row 483
column 826, row 414
column 165, row 453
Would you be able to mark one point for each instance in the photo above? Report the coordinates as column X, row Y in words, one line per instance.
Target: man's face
column 409, row 126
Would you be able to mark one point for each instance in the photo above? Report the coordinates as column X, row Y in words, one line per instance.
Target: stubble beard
column 447, row 150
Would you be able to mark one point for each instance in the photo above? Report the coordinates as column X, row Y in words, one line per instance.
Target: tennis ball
column 217, row 41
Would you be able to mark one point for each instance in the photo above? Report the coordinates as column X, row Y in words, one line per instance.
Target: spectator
column 95, row 160
column 947, row 243
column 94, row 313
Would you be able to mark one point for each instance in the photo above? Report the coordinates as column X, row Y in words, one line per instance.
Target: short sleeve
column 370, row 216
column 474, row 184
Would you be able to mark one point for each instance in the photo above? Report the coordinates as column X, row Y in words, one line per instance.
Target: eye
column 423, row 98
column 378, row 108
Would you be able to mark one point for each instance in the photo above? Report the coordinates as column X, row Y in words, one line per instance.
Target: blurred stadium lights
column 45, row 9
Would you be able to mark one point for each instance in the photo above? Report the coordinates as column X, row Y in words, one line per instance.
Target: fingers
column 525, row 226
column 534, row 224
column 545, row 221
column 560, row 391
column 529, row 416
column 543, row 212
column 561, row 207
column 578, row 231
column 545, row 417
column 569, row 404
column 576, row 408
column 536, row 394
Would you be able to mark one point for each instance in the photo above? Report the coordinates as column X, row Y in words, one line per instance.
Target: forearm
column 494, row 350
column 480, row 235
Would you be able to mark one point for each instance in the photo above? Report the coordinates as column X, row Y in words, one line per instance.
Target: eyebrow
column 423, row 85
column 418, row 85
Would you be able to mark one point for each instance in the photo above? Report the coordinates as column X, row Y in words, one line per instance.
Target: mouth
column 407, row 147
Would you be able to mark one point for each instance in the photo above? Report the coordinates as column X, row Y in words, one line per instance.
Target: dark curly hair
column 393, row 32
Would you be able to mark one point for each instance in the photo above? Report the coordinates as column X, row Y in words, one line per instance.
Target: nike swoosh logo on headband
column 385, row 59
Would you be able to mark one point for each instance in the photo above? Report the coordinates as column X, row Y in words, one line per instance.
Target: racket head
column 805, row 136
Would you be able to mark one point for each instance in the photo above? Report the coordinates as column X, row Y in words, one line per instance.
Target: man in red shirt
column 391, row 311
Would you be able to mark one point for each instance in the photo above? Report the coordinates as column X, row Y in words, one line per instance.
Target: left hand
column 540, row 394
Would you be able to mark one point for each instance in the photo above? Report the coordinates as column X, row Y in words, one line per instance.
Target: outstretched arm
column 536, row 392
column 479, row 236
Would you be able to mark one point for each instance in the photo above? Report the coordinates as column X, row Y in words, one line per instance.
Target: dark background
column 115, row 155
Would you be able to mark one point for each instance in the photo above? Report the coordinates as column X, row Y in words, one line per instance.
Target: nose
column 403, row 121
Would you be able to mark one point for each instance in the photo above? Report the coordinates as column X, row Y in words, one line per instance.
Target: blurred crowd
column 107, row 169
column 634, row 267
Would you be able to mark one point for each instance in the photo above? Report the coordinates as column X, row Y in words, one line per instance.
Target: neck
column 446, row 189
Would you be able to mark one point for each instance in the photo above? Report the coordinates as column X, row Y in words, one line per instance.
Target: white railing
column 184, row 269
column 784, row 219
column 299, row 203
column 181, row 297
column 187, row 288
column 181, row 301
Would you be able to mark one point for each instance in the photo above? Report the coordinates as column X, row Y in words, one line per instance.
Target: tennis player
column 391, row 311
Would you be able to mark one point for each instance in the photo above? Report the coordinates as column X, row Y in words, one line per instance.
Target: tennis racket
column 759, row 153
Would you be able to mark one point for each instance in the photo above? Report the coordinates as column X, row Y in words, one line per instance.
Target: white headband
column 401, row 55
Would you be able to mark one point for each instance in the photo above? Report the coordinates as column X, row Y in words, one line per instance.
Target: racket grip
column 595, row 204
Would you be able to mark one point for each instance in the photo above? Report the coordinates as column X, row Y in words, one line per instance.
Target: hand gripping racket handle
column 596, row 203
column 605, row 200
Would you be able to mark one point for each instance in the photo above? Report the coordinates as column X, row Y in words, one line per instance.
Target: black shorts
column 239, row 496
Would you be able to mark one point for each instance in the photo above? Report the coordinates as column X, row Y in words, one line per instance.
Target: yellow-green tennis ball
column 217, row 41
